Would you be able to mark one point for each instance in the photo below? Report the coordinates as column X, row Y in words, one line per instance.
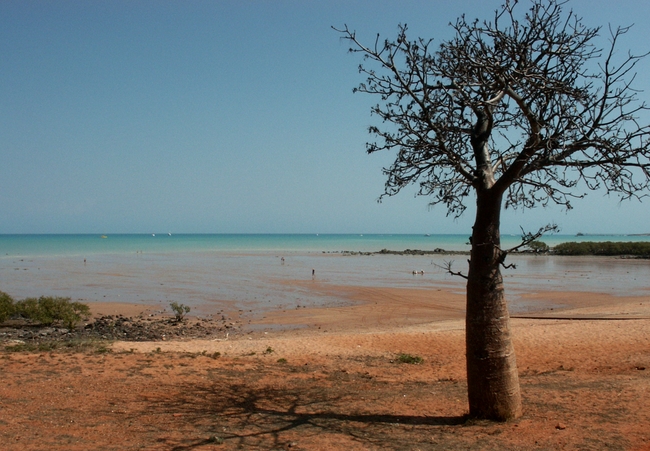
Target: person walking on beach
column 313, row 273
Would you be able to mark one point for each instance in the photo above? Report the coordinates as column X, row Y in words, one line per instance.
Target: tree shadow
column 254, row 416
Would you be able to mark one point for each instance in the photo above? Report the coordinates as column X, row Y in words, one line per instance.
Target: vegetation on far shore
column 638, row 249
column 612, row 248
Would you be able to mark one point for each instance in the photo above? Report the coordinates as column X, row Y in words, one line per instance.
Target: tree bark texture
column 492, row 377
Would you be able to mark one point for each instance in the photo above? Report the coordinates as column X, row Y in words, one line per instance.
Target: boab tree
column 518, row 111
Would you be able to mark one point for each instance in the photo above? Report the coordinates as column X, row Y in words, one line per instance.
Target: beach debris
column 222, row 339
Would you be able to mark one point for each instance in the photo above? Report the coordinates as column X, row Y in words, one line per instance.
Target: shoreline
column 360, row 337
column 207, row 280
column 376, row 309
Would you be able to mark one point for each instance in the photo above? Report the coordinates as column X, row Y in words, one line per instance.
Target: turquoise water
column 43, row 245
column 259, row 272
column 86, row 244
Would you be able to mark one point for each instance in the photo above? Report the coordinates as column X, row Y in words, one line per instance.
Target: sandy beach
column 331, row 378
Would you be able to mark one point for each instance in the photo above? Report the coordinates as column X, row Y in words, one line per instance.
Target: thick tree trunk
column 492, row 378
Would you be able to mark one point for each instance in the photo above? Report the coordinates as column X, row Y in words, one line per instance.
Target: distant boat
column 103, row 236
column 153, row 234
column 428, row 234
column 169, row 233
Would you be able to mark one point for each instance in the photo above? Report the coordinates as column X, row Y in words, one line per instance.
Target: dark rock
column 111, row 327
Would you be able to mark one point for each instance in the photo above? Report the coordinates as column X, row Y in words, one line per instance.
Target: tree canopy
column 549, row 108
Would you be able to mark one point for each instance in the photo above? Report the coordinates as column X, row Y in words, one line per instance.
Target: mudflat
column 333, row 378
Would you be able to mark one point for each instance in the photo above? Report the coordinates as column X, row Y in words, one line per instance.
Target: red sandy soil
column 337, row 383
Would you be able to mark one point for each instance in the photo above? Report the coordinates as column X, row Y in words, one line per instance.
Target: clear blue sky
column 226, row 117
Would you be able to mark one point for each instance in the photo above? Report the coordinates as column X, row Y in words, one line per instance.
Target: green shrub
column 410, row 359
column 180, row 310
column 48, row 310
column 79, row 312
column 538, row 247
column 6, row 306
column 611, row 248
column 29, row 309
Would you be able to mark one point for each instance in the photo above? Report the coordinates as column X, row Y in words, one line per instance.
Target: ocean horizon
column 87, row 244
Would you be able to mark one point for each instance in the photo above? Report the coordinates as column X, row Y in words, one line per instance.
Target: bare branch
column 447, row 267
column 528, row 237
